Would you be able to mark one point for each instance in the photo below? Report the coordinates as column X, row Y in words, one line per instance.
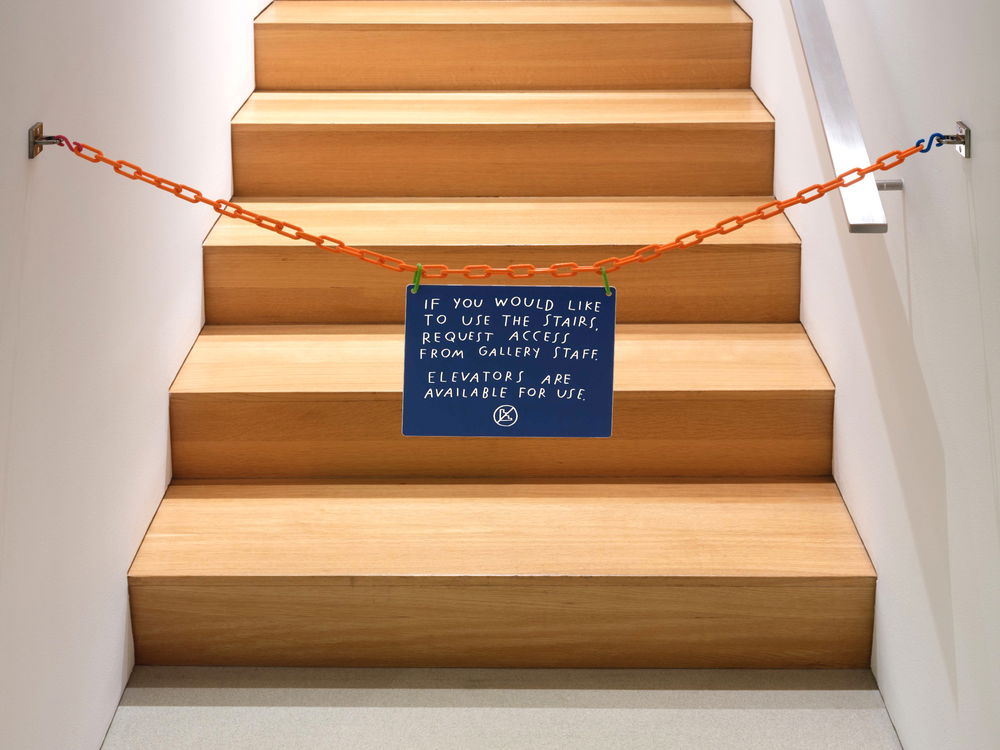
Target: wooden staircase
column 303, row 529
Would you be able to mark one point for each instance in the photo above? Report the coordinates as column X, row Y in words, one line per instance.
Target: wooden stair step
column 325, row 401
column 253, row 276
column 629, row 574
column 518, row 44
column 553, row 143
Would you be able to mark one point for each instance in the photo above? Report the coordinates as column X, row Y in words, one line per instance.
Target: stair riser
column 493, row 56
column 358, row 435
column 502, row 160
column 255, row 285
column 505, row 623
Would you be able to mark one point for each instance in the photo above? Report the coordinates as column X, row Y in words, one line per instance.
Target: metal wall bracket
column 961, row 140
column 889, row 185
column 38, row 140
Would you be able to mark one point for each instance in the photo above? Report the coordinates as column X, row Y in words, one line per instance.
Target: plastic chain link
column 603, row 267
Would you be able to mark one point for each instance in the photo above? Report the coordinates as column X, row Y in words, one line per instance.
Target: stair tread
column 426, row 12
column 465, row 45
column 639, row 529
column 718, row 108
column 674, row 359
column 481, row 222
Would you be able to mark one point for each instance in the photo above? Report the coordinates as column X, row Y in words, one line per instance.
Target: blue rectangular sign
column 509, row 361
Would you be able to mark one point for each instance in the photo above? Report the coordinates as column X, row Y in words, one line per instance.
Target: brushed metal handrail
column 845, row 142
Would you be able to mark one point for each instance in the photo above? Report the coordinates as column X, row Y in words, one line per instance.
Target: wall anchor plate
column 37, row 140
column 965, row 133
column 961, row 140
column 35, row 134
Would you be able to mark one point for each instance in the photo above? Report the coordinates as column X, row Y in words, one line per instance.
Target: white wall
column 909, row 326
column 100, row 299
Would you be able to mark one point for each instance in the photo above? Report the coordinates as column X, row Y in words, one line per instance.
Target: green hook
column 607, row 286
column 416, row 278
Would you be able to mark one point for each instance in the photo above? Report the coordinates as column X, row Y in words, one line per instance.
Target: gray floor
column 182, row 708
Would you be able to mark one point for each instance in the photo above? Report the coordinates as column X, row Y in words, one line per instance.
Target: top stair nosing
column 510, row 12
column 516, row 44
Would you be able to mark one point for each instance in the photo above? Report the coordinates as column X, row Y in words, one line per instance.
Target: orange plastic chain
column 517, row 270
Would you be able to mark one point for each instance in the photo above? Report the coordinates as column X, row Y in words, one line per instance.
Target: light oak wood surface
column 324, row 401
column 682, row 360
column 464, row 44
column 738, row 109
column 253, row 276
column 503, row 144
column 302, row 528
column 623, row 574
column 520, row 622
column 317, row 435
column 506, row 13
column 688, row 529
